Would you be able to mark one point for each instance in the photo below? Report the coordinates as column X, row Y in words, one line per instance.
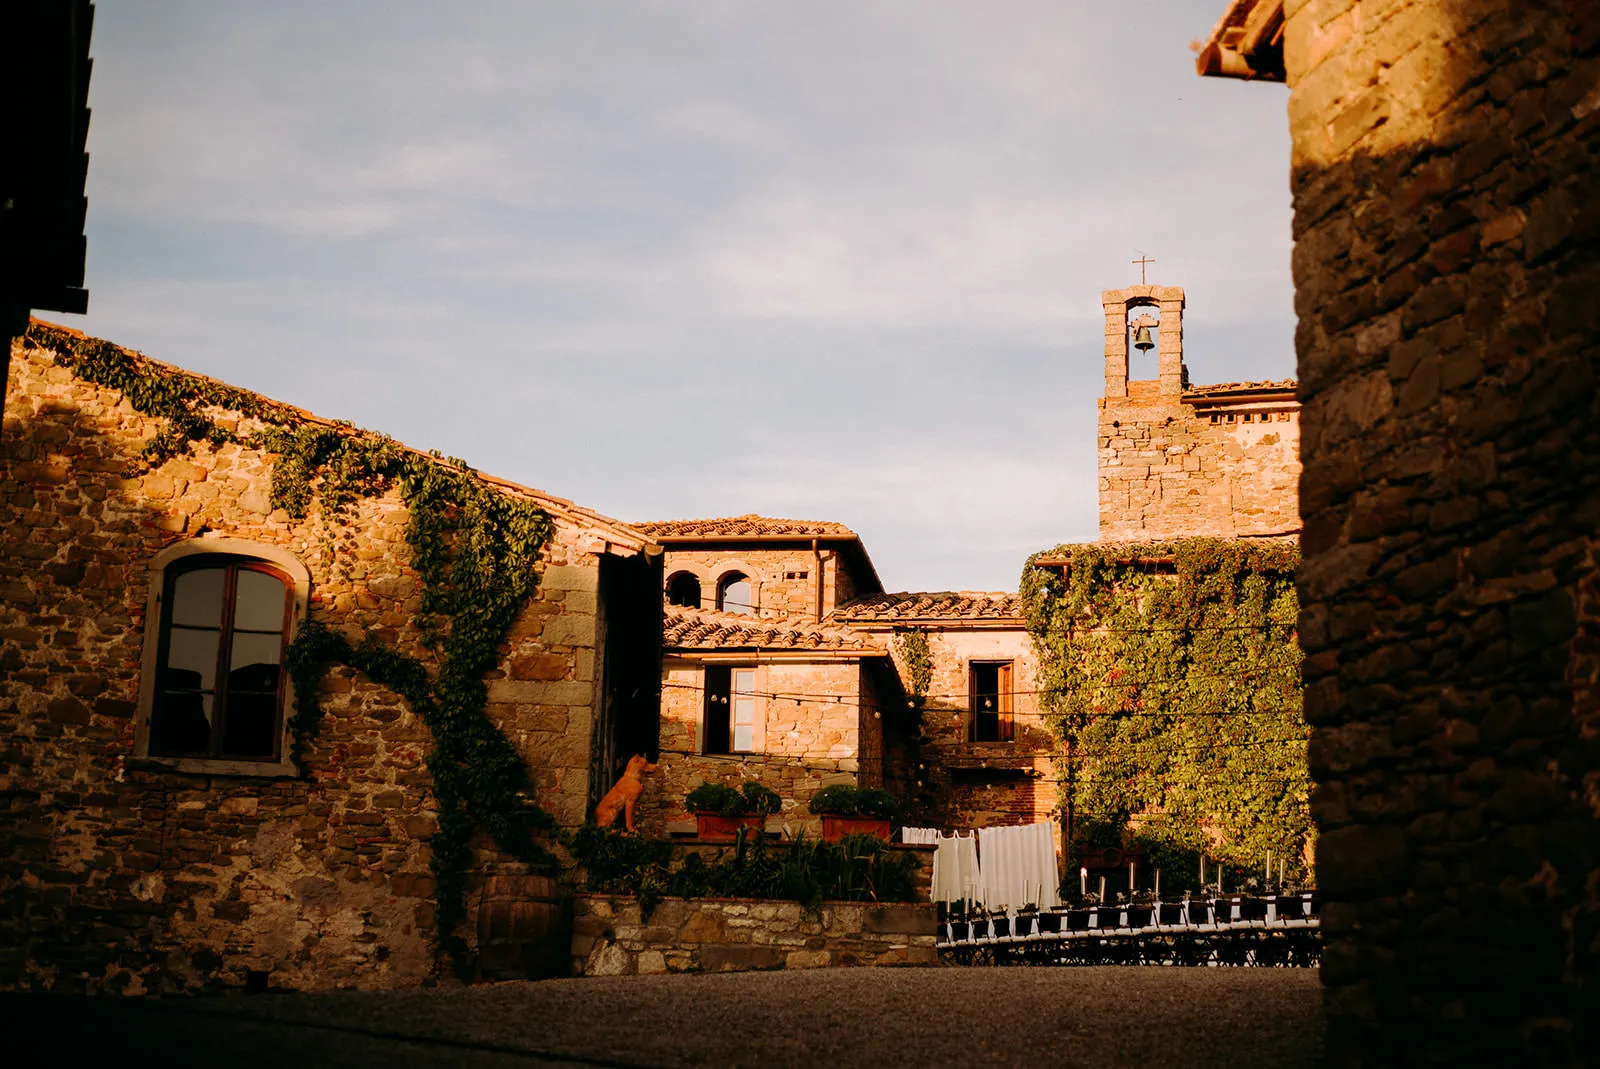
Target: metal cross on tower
column 1141, row 261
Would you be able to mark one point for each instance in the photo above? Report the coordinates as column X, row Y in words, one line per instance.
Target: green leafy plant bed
column 720, row 811
column 1170, row 674
column 846, row 809
column 856, row 869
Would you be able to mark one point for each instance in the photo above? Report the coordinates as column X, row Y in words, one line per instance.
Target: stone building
column 793, row 613
column 154, row 833
column 1447, row 249
column 1178, row 460
column 985, row 754
column 791, row 704
column 758, row 682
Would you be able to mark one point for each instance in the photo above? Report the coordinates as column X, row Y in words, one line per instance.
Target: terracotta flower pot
column 835, row 828
column 716, row 828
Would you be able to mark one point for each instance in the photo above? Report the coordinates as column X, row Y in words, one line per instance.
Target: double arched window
column 214, row 686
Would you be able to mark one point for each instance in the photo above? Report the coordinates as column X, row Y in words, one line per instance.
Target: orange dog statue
column 623, row 797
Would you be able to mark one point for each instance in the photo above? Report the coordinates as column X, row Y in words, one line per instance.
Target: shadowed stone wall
column 119, row 876
column 1447, row 222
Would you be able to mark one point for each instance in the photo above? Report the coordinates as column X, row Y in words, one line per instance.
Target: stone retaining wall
column 610, row 938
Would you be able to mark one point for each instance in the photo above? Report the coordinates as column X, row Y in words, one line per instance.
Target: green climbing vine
column 916, row 669
column 1170, row 673
column 912, row 646
column 474, row 548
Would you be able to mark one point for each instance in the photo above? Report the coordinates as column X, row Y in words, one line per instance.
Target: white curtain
column 1018, row 867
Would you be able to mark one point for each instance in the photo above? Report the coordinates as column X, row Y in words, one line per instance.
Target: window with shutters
column 990, row 719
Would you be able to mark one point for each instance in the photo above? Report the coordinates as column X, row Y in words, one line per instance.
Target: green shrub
column 762, row 801
column 716, row 798
column 848, row 800
column 732, row 802
column 858, row 868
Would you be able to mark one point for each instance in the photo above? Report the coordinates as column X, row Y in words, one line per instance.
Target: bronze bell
column 1141, row 338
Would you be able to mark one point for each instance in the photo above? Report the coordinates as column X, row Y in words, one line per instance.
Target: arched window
column 734, row 594
column 219, row 682
column 684, row 589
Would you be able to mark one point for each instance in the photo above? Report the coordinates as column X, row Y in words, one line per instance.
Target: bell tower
column 1119, row 306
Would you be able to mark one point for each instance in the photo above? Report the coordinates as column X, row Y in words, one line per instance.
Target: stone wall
column 784, row 577
column 1446, row 260
column 804, row 744
column 1168, row 471
column 120, row 875
column 740, row 934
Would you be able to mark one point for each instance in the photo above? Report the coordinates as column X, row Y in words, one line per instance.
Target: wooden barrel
column 524, row 928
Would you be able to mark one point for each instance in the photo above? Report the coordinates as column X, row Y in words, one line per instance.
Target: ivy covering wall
column 1170, row 674
column 474, row 548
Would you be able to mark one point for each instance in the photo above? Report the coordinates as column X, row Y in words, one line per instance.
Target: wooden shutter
column 1006, row 721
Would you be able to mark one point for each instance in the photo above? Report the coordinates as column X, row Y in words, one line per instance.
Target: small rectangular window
column 991, row 715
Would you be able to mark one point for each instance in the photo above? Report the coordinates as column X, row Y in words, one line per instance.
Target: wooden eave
column 1246, row 43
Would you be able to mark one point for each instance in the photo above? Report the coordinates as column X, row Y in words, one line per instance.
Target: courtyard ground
column 923, row 1018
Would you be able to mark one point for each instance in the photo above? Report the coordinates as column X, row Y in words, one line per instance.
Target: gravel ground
column 888, row 1018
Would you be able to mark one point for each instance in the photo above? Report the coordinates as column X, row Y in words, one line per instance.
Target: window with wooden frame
column 989, row 683
column 730, row 710
column 220, row 681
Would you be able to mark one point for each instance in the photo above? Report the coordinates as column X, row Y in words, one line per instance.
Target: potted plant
column 849, row 810
column 720, row 811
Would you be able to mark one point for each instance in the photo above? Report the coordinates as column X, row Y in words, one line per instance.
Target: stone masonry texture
column 1181, row 463
column 741, row 934
column 1446, row 264
column 125, row 878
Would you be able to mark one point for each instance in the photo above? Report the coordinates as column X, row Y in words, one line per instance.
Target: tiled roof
column 943, row 605
column 704, row 629
column 1237, row 387
column 744, row 527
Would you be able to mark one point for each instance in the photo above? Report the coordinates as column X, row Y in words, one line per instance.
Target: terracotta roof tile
column 744, row 526
column 1234, row 387
column 704, row 629
column 942, row 605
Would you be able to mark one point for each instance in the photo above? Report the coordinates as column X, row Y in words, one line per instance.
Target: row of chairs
column 1131, row 920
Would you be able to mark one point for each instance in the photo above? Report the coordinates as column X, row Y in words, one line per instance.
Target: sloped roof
column 939, row 605
column 622, row 535
column 748, row 526
column 705, row 629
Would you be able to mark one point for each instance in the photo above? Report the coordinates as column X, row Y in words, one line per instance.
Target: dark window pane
column 251, row 725
column 191, row 659
column 684, row 589
column 718, row 685
column 258, row 602
column 197, row 598
column 180, row 723
column 257, row 657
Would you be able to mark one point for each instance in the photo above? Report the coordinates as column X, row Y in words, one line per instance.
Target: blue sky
column 691, row 258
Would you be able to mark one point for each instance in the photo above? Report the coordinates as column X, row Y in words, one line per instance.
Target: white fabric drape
column 998, row 868
column 955, row 868
column 1018, row 867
